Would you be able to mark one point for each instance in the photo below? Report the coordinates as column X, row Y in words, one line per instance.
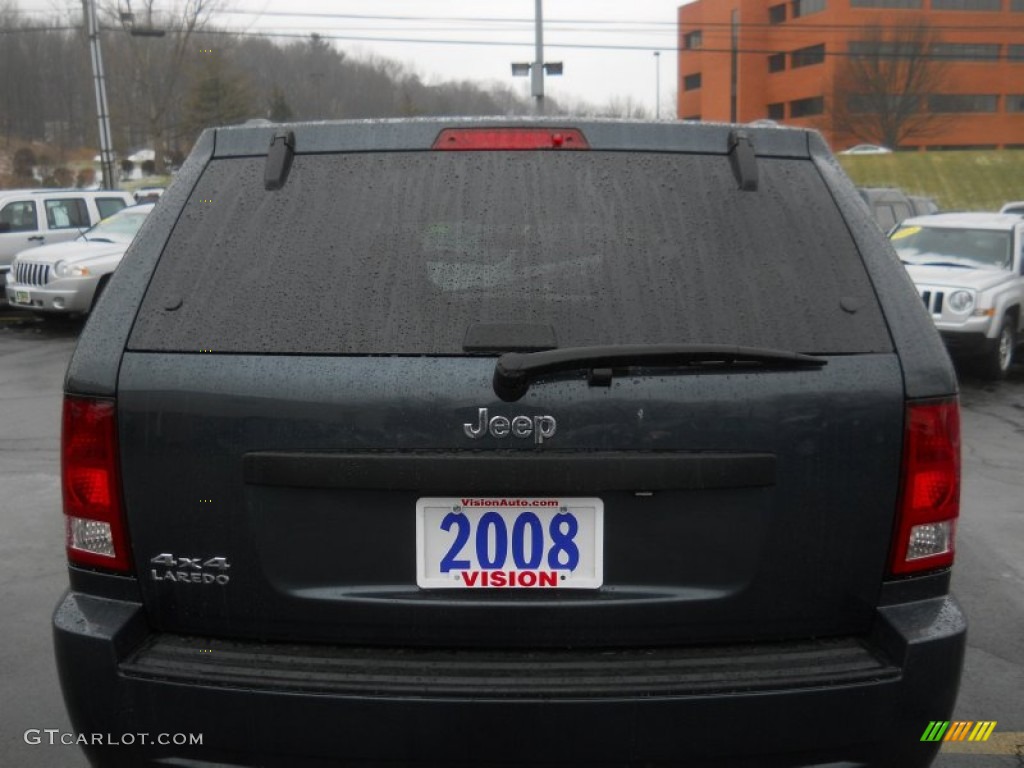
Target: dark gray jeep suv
column 506, row 443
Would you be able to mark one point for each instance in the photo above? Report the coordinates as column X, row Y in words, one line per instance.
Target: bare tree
column 625, row 106
column 157, row 64
column 161, row 90
column 881, row 88
column 40, row 92
column 15, row 88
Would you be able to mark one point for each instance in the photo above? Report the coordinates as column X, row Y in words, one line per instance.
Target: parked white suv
column 969, row 270
column 68, row 278
column 33, row 217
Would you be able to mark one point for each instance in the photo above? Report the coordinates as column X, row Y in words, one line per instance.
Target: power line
column 423, row 41
column 303, row 35
column 785, row 28
column 419, row 28
column 590, row 25
column 618, row 23
column 574, row 46
column 50, row 28
column 580, row 46
column 919, row 54
column 446, row 19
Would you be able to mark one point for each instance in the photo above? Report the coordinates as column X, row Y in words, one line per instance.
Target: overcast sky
column 617, row 38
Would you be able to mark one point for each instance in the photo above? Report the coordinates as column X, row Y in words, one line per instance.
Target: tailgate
column 276, row 497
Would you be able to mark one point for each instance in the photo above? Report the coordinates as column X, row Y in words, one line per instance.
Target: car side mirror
column 5, row 227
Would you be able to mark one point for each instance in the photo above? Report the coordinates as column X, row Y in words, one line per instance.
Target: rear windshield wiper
column 515, row 371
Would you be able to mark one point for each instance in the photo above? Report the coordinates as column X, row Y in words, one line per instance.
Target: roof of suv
column 59, row 191
column 422, row 133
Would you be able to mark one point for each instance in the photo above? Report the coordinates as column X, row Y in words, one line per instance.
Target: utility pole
column 100, row 83
column 734, row 60
column 538, row 62
column 538, row 68
column 657, row 85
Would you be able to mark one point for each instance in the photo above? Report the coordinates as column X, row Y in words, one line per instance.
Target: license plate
column 22, row 297
column 515, row 542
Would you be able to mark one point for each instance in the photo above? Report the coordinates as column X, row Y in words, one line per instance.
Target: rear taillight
column 91, row 486
column 930, row 494
column 510, row 138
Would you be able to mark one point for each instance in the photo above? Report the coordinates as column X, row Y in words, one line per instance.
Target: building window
column 693, row 40
column 886, row 4
column 776, row 62
column 777, row 13
column 776, row 111
column 1017, row 5
column 967, row 5
column 805, row 57
column 807, row 7
column 1015, row 102
column 966, row 51
column 963, row 102
column 883, row 49
column 807, row 107
column 1015, row 52
column 880, row 103
column 691, row 82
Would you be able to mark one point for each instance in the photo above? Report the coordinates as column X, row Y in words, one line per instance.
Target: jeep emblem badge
column 539, row 427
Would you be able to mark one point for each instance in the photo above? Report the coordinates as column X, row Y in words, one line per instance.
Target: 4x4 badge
column 539, row 427
column 189, row 570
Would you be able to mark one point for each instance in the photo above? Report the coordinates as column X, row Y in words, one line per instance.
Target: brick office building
column 744, row 60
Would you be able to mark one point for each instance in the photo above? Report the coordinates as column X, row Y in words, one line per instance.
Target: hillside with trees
column 163, row 90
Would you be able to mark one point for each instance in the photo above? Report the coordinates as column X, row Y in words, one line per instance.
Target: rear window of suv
column 401, row 252
column 108, row 206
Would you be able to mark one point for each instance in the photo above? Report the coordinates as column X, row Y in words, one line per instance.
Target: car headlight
column 63, row 269
column 960, row 302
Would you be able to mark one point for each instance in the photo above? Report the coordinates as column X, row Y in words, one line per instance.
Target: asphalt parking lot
column 988, row 579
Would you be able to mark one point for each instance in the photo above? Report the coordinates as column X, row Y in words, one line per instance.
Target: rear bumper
column 844, row 702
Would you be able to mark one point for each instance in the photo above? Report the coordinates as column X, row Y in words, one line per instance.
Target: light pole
column 657, row 85
column 100, row 83
column 538, row 68
column 537, row 83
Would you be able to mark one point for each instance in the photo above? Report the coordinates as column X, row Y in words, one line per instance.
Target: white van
column 31, row 217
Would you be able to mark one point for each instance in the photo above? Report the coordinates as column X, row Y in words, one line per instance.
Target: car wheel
column 997, row 361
